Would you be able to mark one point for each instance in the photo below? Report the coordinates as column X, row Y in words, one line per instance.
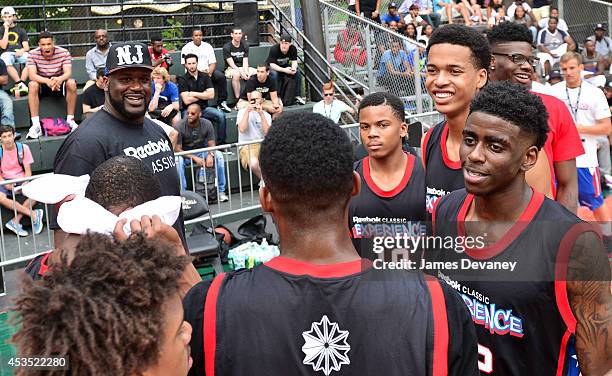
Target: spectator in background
column 96, row 57
column 283, row 62
column 411, row 33
column 350, row 46
column 541, row 10
column 555, row 77
column 413, row 17
column 253, row 124
column 603, row 44
column 236, row 56
column 7, row 117
column 446, row 9
column 498, row 16
column 394, row 71
column 393, row 15
column 552, row 43
column 368, row 9
column 14, row 47
column 519, row 3
column 16, row 163
column 49, row 68
column 330, row 107
column 608, row 92
column 196, row 87
column 94, row 96
column 594, row 64
column 522, row 18
column 195, row 132
column 159, row 55
column 426, row 33
column 426, row 10
column 207, row 63
column 164, row 103
column 561, row 24
column 263, row 83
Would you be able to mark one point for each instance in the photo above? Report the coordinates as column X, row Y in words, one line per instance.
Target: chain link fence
column 581, row 16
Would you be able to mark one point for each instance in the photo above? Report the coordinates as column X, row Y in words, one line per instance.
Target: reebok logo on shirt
column 149, row 149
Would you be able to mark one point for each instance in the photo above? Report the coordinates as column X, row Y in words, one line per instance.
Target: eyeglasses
column 328, row 94
column 520, row 59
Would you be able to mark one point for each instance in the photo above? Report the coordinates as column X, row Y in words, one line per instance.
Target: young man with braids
column 114, row 310
column 320, row 307
column 554, row 174
column 457, row 61
column 558, row 290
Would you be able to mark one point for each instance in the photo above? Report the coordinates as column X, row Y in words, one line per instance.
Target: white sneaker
column 34, row 132
column 300, row 100
column 223, row 197
column 73, row 124
column 608, row 181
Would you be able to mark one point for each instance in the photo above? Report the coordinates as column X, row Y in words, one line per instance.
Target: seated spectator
column 159, row 55
column 236, row 56
column 16, row 160
column 195, row 132
column 96, row 57
column 263, row 83
column 164, row 103
column 110, row 320
column 521, row 17
column 594, row 63
column 393, row 15
column 603, row 44
column 470, row 11
column 330, row 107
column 14, row 50
column 541, row 10
column 395, row 72
column 426, row 33
column 498, row 14
column 554, row 12
column 552, row 44
column 49, row 69
column 426, row 10
column 520, row 3
column 554, row 77
column 283, row 62
column 207, row 63
column 7, row 117
column 94, row 96
column 411, row 33
column 368, row 9
column 413, row 17
column 196, row 87
column 350, row 46
column 253, row 124
column 446, row 9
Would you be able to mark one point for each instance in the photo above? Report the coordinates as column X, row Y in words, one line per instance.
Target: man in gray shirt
column 253, row 124
column 96, row 57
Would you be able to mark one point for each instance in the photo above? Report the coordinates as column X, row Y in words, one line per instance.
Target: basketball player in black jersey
column 319, row 309
column 542, row 278
column 392, row 196
column 457, row 61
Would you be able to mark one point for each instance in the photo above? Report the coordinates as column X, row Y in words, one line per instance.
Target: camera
column 168, row 59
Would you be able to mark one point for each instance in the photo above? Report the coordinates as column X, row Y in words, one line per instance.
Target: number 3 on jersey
column 485, row 363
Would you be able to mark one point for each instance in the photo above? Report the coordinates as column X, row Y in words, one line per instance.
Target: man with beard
column 554, row 174
column 96, row 57
column 121, row 127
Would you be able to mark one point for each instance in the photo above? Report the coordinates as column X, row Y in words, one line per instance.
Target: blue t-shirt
column 397, row 61
column 169, row 94
column 436, row 7
column 388, row 18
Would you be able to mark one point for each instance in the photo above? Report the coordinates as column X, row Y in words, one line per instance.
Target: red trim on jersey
column 395, row 191
column 562, row 352
column 532, row 208
column 424, row 148
column 43, row 264
column 210, row 325
column 455, row 165
column 296, row 267
column 440, row 320
column 597, row 182
column 561, row 264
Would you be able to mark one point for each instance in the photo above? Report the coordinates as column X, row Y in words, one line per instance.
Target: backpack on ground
column 55, row 127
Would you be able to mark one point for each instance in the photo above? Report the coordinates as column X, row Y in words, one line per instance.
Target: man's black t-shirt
column 236, row 53
column 3, row 71
column 16, row 38
column 367, row 5
column 93, row 96
column 189, row 83
column 265, row 88
column 190, row 138
column 103, row 136
column 283, row 60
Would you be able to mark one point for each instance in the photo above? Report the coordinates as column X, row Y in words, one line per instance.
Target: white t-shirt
column 587, row 104
column 539, row 87
column 512, row 9
column 204, row 52
column 333, row 111
column 255, row 127
column 561, row 25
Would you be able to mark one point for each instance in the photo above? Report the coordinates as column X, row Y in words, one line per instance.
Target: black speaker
column 246, row 17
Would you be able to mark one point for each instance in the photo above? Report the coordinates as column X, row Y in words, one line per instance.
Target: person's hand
column 6, row 25
column 375, row 14
column 18, row 53
column 209, row 160
column 292, row 71
column 197, row 160
column 9, row 187
column 151, row 227
column 167, row 110
column 258, row 108
column 158, row 87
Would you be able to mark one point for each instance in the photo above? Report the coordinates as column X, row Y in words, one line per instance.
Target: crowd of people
column 507, row 168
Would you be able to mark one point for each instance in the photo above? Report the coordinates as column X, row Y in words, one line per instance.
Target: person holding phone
column 253, row 124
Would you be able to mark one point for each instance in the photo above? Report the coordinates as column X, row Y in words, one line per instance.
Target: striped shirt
column 51, row 67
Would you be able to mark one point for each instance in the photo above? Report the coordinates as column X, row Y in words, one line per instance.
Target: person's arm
column 190, row 97
column 588, row 292
column 230, row 63
column 243, row 123
column 278, row 68
column 211, row 68
column 89, row 66
column 27, row 169
column 155, row 99
column 567, row 184
column 244, row 72
column 26, row 46
column 265, row 124
column 193, row 305
column 601, row 127
column 67, row 69
column 34, row 76
column 376, row 12
column 4, row 40
column 357, row 7
column 275, row 102
column 3, row 79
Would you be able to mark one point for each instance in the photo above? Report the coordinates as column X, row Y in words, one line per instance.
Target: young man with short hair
column 50, row 68
column 160, row 56
column 263, row 83
column 14, row 46
column 283, row 62
column 457, row 61
column 554, row 174
column 552, row 43
column 236, row 56
column 94, row 96
column 16, row 163
column 330, row 107
column 329, row 309
column 540, row 278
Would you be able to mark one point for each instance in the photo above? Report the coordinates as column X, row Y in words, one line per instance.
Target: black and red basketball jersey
column 38, row 266
column 376, row 212
column 522, row 316
column 442, row 176
column 287, row 317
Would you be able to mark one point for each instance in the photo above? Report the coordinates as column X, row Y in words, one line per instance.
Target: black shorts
column 45, row 91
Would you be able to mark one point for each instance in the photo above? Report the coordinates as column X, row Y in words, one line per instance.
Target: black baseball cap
column 128, row 55
column 600, row 27
column 555, row 74
column 392, row 5
column 285, row 38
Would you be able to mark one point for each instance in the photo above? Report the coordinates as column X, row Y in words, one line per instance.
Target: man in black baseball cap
column 603, row 44
column 121, row 128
